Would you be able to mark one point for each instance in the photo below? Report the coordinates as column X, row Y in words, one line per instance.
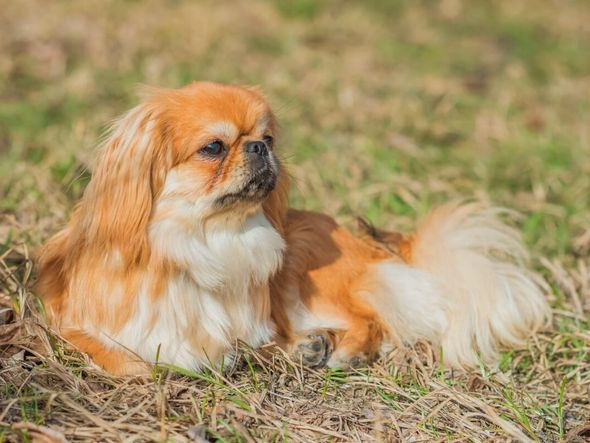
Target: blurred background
column 387, row 107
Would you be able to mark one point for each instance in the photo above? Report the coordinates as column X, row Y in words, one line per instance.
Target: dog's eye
column 214, row 148
column 268, row 140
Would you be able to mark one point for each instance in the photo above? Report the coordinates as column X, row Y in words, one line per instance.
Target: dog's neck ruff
column 219, row 293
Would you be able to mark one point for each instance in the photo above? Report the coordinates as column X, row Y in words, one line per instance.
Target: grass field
column 388, row 108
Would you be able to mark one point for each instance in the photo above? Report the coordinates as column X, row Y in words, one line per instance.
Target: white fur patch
column 226, row 276
column 408, row 299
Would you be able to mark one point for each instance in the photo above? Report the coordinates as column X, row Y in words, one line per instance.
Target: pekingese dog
column 183, row 244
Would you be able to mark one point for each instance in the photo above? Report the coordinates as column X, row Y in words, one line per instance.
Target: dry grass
column 388, row 108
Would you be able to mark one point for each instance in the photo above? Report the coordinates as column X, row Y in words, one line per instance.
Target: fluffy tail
column 470, row 282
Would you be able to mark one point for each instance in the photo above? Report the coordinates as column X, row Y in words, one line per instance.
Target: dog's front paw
column 314, row 348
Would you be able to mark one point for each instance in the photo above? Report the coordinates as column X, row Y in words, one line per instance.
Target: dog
column 183, row 244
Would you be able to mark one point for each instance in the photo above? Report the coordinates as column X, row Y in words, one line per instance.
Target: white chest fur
column 220, row 296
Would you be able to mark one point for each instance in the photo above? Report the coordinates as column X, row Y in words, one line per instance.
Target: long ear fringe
column 117, row 204
column 275, row 207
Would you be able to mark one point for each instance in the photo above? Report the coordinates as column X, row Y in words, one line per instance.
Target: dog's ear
column 129, row 174
column 276, row 205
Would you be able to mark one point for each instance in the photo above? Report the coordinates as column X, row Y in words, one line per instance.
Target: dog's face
column 192, row 153
column 222, row 139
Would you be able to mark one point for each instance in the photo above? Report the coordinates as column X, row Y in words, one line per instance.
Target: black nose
column 256, row 147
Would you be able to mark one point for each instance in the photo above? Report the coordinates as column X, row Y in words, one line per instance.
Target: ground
column 388, row 108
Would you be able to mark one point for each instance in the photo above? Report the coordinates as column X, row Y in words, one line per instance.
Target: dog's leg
column 114, row 361
column 359, row 345
column 352, row 347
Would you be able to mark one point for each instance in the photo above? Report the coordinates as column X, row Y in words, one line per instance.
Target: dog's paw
column 342, row 360
column 314, row 348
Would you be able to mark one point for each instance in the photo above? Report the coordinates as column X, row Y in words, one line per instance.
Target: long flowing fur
column 484, row 290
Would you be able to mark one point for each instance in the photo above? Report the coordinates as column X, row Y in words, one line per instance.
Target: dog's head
column 206, row 148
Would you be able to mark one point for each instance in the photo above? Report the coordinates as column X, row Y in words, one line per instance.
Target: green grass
column 387, row 108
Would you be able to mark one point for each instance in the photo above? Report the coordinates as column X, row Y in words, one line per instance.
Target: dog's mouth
column 256, row 189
